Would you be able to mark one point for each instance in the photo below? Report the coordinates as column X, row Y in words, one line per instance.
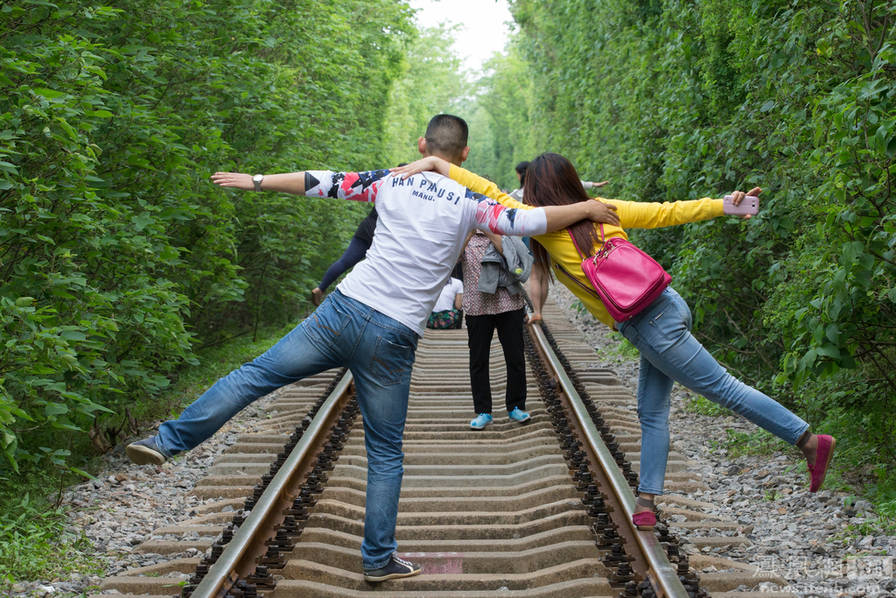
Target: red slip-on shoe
column 644, row 520
column 823, row 456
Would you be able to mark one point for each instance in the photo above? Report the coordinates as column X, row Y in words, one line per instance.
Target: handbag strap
column 576, row 245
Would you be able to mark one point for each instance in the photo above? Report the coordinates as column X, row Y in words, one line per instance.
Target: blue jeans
column 378, row 350
column 662, row 334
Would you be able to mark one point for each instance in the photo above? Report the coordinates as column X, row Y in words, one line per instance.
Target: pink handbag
column 625, row 278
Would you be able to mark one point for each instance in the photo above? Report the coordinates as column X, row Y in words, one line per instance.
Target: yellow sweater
column 632, row 214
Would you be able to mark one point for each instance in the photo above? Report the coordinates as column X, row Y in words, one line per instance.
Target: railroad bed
column 510, row 510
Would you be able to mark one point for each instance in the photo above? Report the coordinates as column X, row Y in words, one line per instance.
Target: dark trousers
column 353, row 254
column 480, row 330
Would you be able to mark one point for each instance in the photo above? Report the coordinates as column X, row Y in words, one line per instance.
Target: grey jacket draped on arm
column 508, row 270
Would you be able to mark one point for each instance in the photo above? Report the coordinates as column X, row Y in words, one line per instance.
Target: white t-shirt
column 422, row 224
column 452, row 289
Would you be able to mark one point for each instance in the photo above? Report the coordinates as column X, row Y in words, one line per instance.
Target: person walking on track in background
column 354, row 253
column 372, row 321
column 491, row 306
column 520, row 169
column 447, row 312
column 661, row 332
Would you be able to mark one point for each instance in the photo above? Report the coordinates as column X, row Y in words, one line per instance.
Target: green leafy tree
column 501, row 129
column 672, row 100
column 430, row 83
column 117, row 255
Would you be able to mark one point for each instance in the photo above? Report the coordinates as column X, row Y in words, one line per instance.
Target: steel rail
column 658, row 570
column 234, row 561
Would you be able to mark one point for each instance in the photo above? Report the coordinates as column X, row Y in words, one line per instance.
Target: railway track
column 539, row 509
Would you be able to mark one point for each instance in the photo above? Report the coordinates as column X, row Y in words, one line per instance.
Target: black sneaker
column 394, row 569
column 146, row 452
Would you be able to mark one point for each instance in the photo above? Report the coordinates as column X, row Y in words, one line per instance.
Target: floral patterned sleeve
column 494, row 205
column 357, row 186
column 502, row 220
column 487, row 213
column 482, row 185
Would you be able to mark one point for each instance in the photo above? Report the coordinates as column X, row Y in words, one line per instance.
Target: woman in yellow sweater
column 661, row 332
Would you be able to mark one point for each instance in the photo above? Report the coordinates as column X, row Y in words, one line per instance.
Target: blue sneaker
column 394, row 569
column 145, row 452
column 518, row 415
column 482, row 420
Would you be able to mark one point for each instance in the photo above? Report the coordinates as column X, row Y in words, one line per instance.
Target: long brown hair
column 552, row 180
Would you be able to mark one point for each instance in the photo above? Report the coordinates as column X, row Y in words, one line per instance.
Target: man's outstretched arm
column 287, row 182
column 492, row 216
column 358, row 186
column 557, row 217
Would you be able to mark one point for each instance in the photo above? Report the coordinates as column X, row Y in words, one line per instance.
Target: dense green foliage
column 117, row 255
column 500, row 124
column 674, row 100
column 34, row 541
column 37, row 539
column 428, row 85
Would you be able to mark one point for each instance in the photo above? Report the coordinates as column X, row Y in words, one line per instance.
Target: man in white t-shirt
column 372, row 321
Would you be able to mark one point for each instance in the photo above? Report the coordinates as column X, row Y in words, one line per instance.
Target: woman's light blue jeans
column 377, row 349
column 669, row 352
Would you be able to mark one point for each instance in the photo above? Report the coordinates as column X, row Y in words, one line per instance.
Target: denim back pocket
column 393, row 359
column 326, row 324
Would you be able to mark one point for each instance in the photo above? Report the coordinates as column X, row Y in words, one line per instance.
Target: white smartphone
column 749, row 205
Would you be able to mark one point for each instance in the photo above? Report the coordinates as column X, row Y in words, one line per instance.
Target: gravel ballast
column 811, row 540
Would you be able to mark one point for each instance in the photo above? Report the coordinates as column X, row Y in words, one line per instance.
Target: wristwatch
column 257, row 180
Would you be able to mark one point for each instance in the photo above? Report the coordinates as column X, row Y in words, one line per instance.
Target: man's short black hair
column 447, row 134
